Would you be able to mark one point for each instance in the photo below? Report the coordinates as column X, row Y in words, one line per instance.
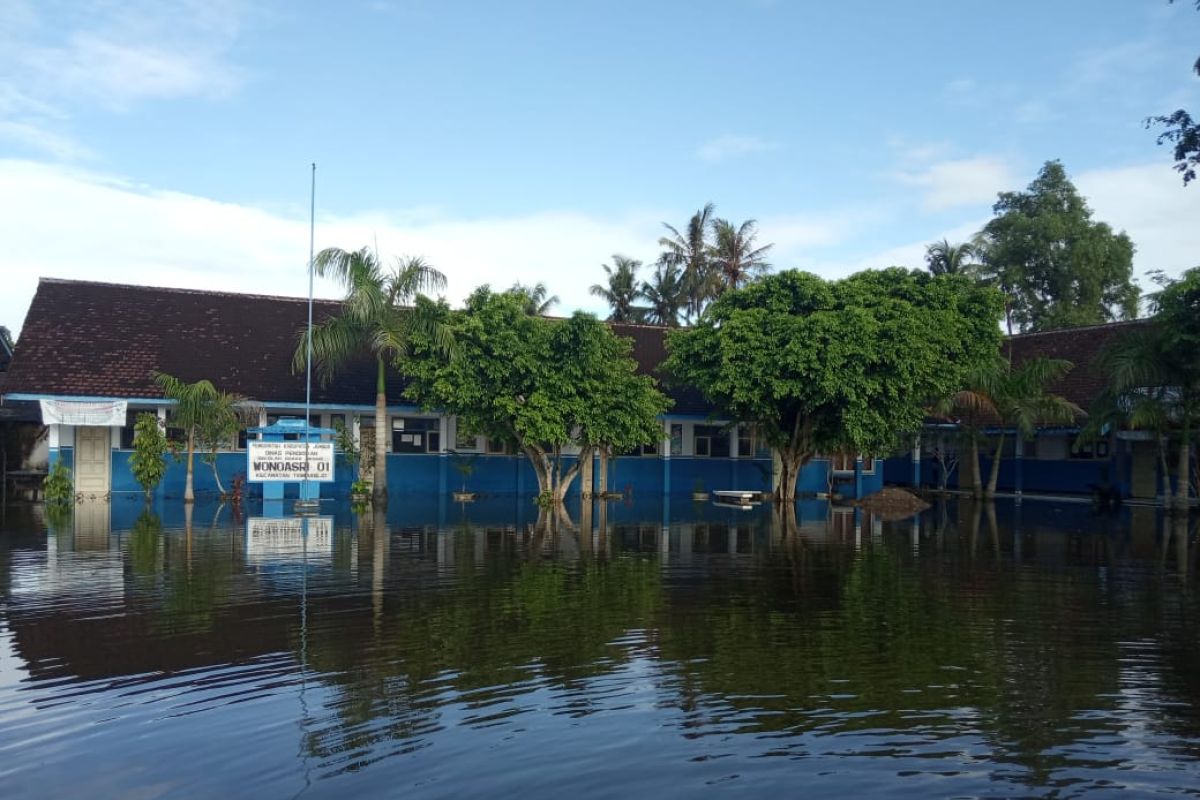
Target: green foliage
column 148, row 461
column 665, row 294
column 343, row 441
column 622, row 290
column 209, row 417
column 6, row 339
column 1056, row 267
column 689, row 252
column 1183, row 133
column 734, row 258
column 821, row 366
column 375, row 318
column 539, row 384
column 58, row 488
column 944, row 258
column 360, row 487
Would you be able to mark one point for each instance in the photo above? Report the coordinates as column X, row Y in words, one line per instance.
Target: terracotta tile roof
column 1081, row 346
column 105, row 340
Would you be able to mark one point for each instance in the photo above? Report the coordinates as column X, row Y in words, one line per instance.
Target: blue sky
column 168, row 142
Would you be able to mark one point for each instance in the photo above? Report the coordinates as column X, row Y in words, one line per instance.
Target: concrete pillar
column 858, row 477
column 1018, row 466
column 916, row 462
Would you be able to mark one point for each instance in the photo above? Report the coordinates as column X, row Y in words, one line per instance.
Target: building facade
column 95, row 343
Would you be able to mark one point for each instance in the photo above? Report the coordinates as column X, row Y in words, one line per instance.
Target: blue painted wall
column 1065, row 476
column 411, row 475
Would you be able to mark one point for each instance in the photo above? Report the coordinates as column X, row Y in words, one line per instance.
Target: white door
column 92, row 453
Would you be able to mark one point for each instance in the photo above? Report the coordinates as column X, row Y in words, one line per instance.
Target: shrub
column 148, row 462
column 58, row 486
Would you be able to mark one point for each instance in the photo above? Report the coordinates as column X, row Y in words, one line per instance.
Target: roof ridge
column 1080, row 328
column 181, row 290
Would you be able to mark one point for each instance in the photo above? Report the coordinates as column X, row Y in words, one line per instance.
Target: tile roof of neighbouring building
column 1081, row 346
column 92, row 339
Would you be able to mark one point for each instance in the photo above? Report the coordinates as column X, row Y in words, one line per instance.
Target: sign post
column 288, row 452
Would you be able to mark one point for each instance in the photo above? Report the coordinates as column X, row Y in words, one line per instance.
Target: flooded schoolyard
column 665, row 649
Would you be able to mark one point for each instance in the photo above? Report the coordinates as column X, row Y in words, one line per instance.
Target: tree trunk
column 1183, row 489
column 217, row 474
column 1166, row 471
column 602, row 490
column 586, row 471
column 994, row 477
column 976, row 468
column 551, row 483
column 790, row 463
column 188, row 495
column 379, row 492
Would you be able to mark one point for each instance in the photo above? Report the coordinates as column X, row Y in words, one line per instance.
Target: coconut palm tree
column 538, row 300
column 622, row 290
column 665, row 295
column 1013, row 397
column 1154, row 385
column 735, row 259
column 689, row 252
column 223, row 418
column 376, row 319
column 944, row 258
column 208, row 417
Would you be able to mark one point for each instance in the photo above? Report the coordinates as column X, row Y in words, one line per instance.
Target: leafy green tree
column 622, row 291
column 192, row 403
column 6, row 339
column 1056, row 266
column 374, row 320
column 1154, row 374
column 544, row 386
column 1018, row 397
column 148, row 462
column 665, row 295
column 539, row 301
column 224, row 417
column 734, row 258
column 944, row 258
column 821, row 366
column 689, row 251
column 1183, row 133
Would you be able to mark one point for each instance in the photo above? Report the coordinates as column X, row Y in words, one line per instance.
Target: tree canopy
column 827, row 366
column 1056, row 266
column 542, row 385
column 1183, row 133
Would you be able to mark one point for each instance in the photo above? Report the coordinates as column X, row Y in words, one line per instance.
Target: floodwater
column 642, row 651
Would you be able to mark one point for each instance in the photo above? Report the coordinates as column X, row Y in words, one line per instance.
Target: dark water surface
column 662, row 652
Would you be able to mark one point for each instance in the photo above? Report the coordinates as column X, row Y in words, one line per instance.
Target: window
column 676, row 439
column 844, row 462
column 710, row 440
column 649, row 449
column 745, row 442
column 131, row 416
column 1091, row 450
column 464, row 441
column 497, row 447
column 416, row 435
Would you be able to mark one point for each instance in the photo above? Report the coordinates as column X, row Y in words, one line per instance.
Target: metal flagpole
column 312, row 225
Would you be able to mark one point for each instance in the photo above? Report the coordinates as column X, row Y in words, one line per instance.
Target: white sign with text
column 285, row 461
column 273, row 538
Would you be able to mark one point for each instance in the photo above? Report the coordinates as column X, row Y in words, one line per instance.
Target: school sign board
column 289, row 462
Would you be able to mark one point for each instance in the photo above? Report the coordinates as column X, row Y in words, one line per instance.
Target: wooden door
column 92, row 453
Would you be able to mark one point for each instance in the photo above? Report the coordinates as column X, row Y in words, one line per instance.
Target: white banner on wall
column 102, row 413
column 285, row 461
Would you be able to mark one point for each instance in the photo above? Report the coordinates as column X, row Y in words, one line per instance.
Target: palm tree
column 1015, row 397
column 665, row 294
column 944, row 258
column 689, row 252
column 538, row 300
column 376, row 318
column 207, row 416
column 622, row 290
column 735, row 259
column 223, row 418
column 1155, row 386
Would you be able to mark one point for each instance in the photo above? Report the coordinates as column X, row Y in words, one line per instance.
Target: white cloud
column 730, row 146
column 109, row 56
column 962, row 182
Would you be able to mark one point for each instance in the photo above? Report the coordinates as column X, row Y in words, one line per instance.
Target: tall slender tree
column 735, row 259
column 538, row 299
column 622, row 290
column 204, row 413
column 376, row 319
column 689, row 252
column 944, row 258
column 665, row 296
